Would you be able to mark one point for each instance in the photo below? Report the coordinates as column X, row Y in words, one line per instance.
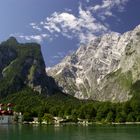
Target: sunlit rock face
column 102, row 70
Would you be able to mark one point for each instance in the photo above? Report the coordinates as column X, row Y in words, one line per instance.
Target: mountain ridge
column 83, row 74
column 22, row 65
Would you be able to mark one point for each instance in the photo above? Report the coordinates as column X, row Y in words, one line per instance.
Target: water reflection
column 70, row 132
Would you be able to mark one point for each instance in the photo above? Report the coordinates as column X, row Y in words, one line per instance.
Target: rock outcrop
column 22, row 65
column 103, row 70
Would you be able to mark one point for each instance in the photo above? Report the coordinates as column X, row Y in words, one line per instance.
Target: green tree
column 121, row 117
column 110, row 117
column 27, row 116
column 131, row 117
column 48, row 118
column 74, row 115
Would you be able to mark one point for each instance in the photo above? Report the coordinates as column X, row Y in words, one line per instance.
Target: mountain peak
column 107, row 58
column 12, row 41
column 21, row 66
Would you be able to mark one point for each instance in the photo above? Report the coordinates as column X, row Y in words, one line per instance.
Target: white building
column 6, row 116
column 6, row 119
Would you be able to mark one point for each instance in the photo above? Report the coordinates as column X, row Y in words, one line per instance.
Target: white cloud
column 68, row 10
column 109, row 4
column 36, row 38
column 87, row 1
column 84, row 26
column 104, row 10
column 60, row 22
column 35, row 26
column 70, row 26
column 59, row 55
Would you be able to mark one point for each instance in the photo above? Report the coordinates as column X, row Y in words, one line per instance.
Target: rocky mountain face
column 22, row 65
column 103, row 70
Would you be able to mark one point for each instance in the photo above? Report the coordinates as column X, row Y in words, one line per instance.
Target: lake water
column 70, row 132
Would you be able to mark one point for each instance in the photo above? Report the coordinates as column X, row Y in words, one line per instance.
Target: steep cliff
column 104, row 70
column 22, row 65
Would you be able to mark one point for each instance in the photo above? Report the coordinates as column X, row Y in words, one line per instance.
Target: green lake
column 70, row 132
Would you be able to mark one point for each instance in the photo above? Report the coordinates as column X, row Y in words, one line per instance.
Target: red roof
column 5, row 112
column 10, row 104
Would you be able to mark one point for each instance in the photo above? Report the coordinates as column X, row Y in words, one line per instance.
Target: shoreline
column 84, row 124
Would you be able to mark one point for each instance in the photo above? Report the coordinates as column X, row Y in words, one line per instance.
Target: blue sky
column 60, row 26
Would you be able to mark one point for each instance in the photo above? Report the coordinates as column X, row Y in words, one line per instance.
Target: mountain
column 106, row 69
column 22, row 65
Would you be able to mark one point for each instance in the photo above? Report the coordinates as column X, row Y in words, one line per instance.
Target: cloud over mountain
column 89, row 22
